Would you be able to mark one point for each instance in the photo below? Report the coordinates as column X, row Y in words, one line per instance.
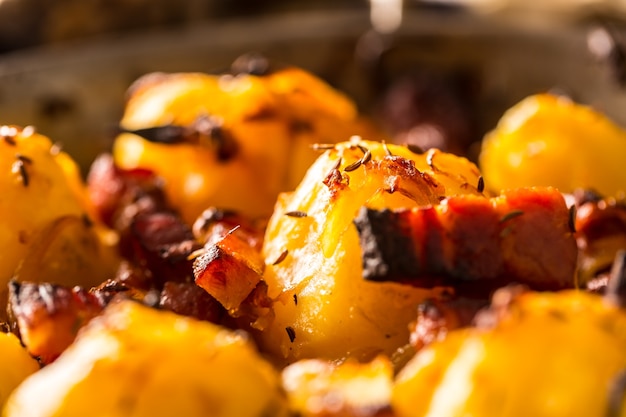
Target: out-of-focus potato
column 547, row 140
column 136, row 361
column 247, row 137
column 549, row 354
column 15, row 365
column 317, row 388
column 325, row 308
column 44, row 221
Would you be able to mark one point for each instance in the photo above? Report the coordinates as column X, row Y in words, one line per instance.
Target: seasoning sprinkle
column 511, row 215
column 281, row 257
column 353, row 166
column 414, row 148
column 367, row 157
column 24, row 158
column 322, row 146
column 429, row 159
column 291, row 333
column 571, row 221
column 296, row 213
column 18, row 167
column 386, row 148
column 481, row 184
column 56, row 148
column 295, row 299
column 9, row 140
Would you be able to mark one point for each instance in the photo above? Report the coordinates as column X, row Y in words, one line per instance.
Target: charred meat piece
column 162, row 243
column 521, row 236
column 600, row 234
column 229, row 270
column 48, row 317
column 214, row 223
column 119, row 194
column 187, row 299
column 437, row 317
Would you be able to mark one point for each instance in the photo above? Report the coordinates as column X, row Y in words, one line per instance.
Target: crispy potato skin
column 547, row 140
column 549, row 354
column 272, row 120
column 136, row 361
column 321, row 295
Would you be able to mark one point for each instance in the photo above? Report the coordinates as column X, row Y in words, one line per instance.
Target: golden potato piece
column 136, row 361
column 233, row 142
column 316, row 388
column 15, row 364
column 547, row 140
column 325, row 308
column 40, row 186
column 550, row 354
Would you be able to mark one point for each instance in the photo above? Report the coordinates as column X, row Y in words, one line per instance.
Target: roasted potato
column 317, row 388
column 136, row 361
column 549, row 140
column 15, row 364
column 46, row 231
column 548, row 354
column 232, row 141
column 324, row 307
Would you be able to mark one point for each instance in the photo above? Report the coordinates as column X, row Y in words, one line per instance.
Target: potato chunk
column 135, row 361
column 548, row 354
column 324, row 306
column 15, row 364
column 547, row 140
column 44, row 222
column 230, row 141
column 317, row 388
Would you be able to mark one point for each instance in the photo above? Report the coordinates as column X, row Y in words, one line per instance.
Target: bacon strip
column 521, row 236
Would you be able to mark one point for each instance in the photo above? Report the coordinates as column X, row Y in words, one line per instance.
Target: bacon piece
column 229, row 270
column 187, row 299
column 600, row 233
column 163, row 243
column 213, row 224
column 521, row 236
column 437, row 317
column 48, row 316
column 119, row 194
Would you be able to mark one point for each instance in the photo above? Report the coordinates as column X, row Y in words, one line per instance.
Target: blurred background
column 26, row 23
column 437, row 73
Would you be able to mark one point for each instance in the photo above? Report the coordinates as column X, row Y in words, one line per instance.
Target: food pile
column 253, row 246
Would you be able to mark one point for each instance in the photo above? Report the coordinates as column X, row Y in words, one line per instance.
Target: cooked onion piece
column 140, row 362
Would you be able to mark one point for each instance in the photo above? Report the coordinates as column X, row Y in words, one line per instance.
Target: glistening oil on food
column 254, row 246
